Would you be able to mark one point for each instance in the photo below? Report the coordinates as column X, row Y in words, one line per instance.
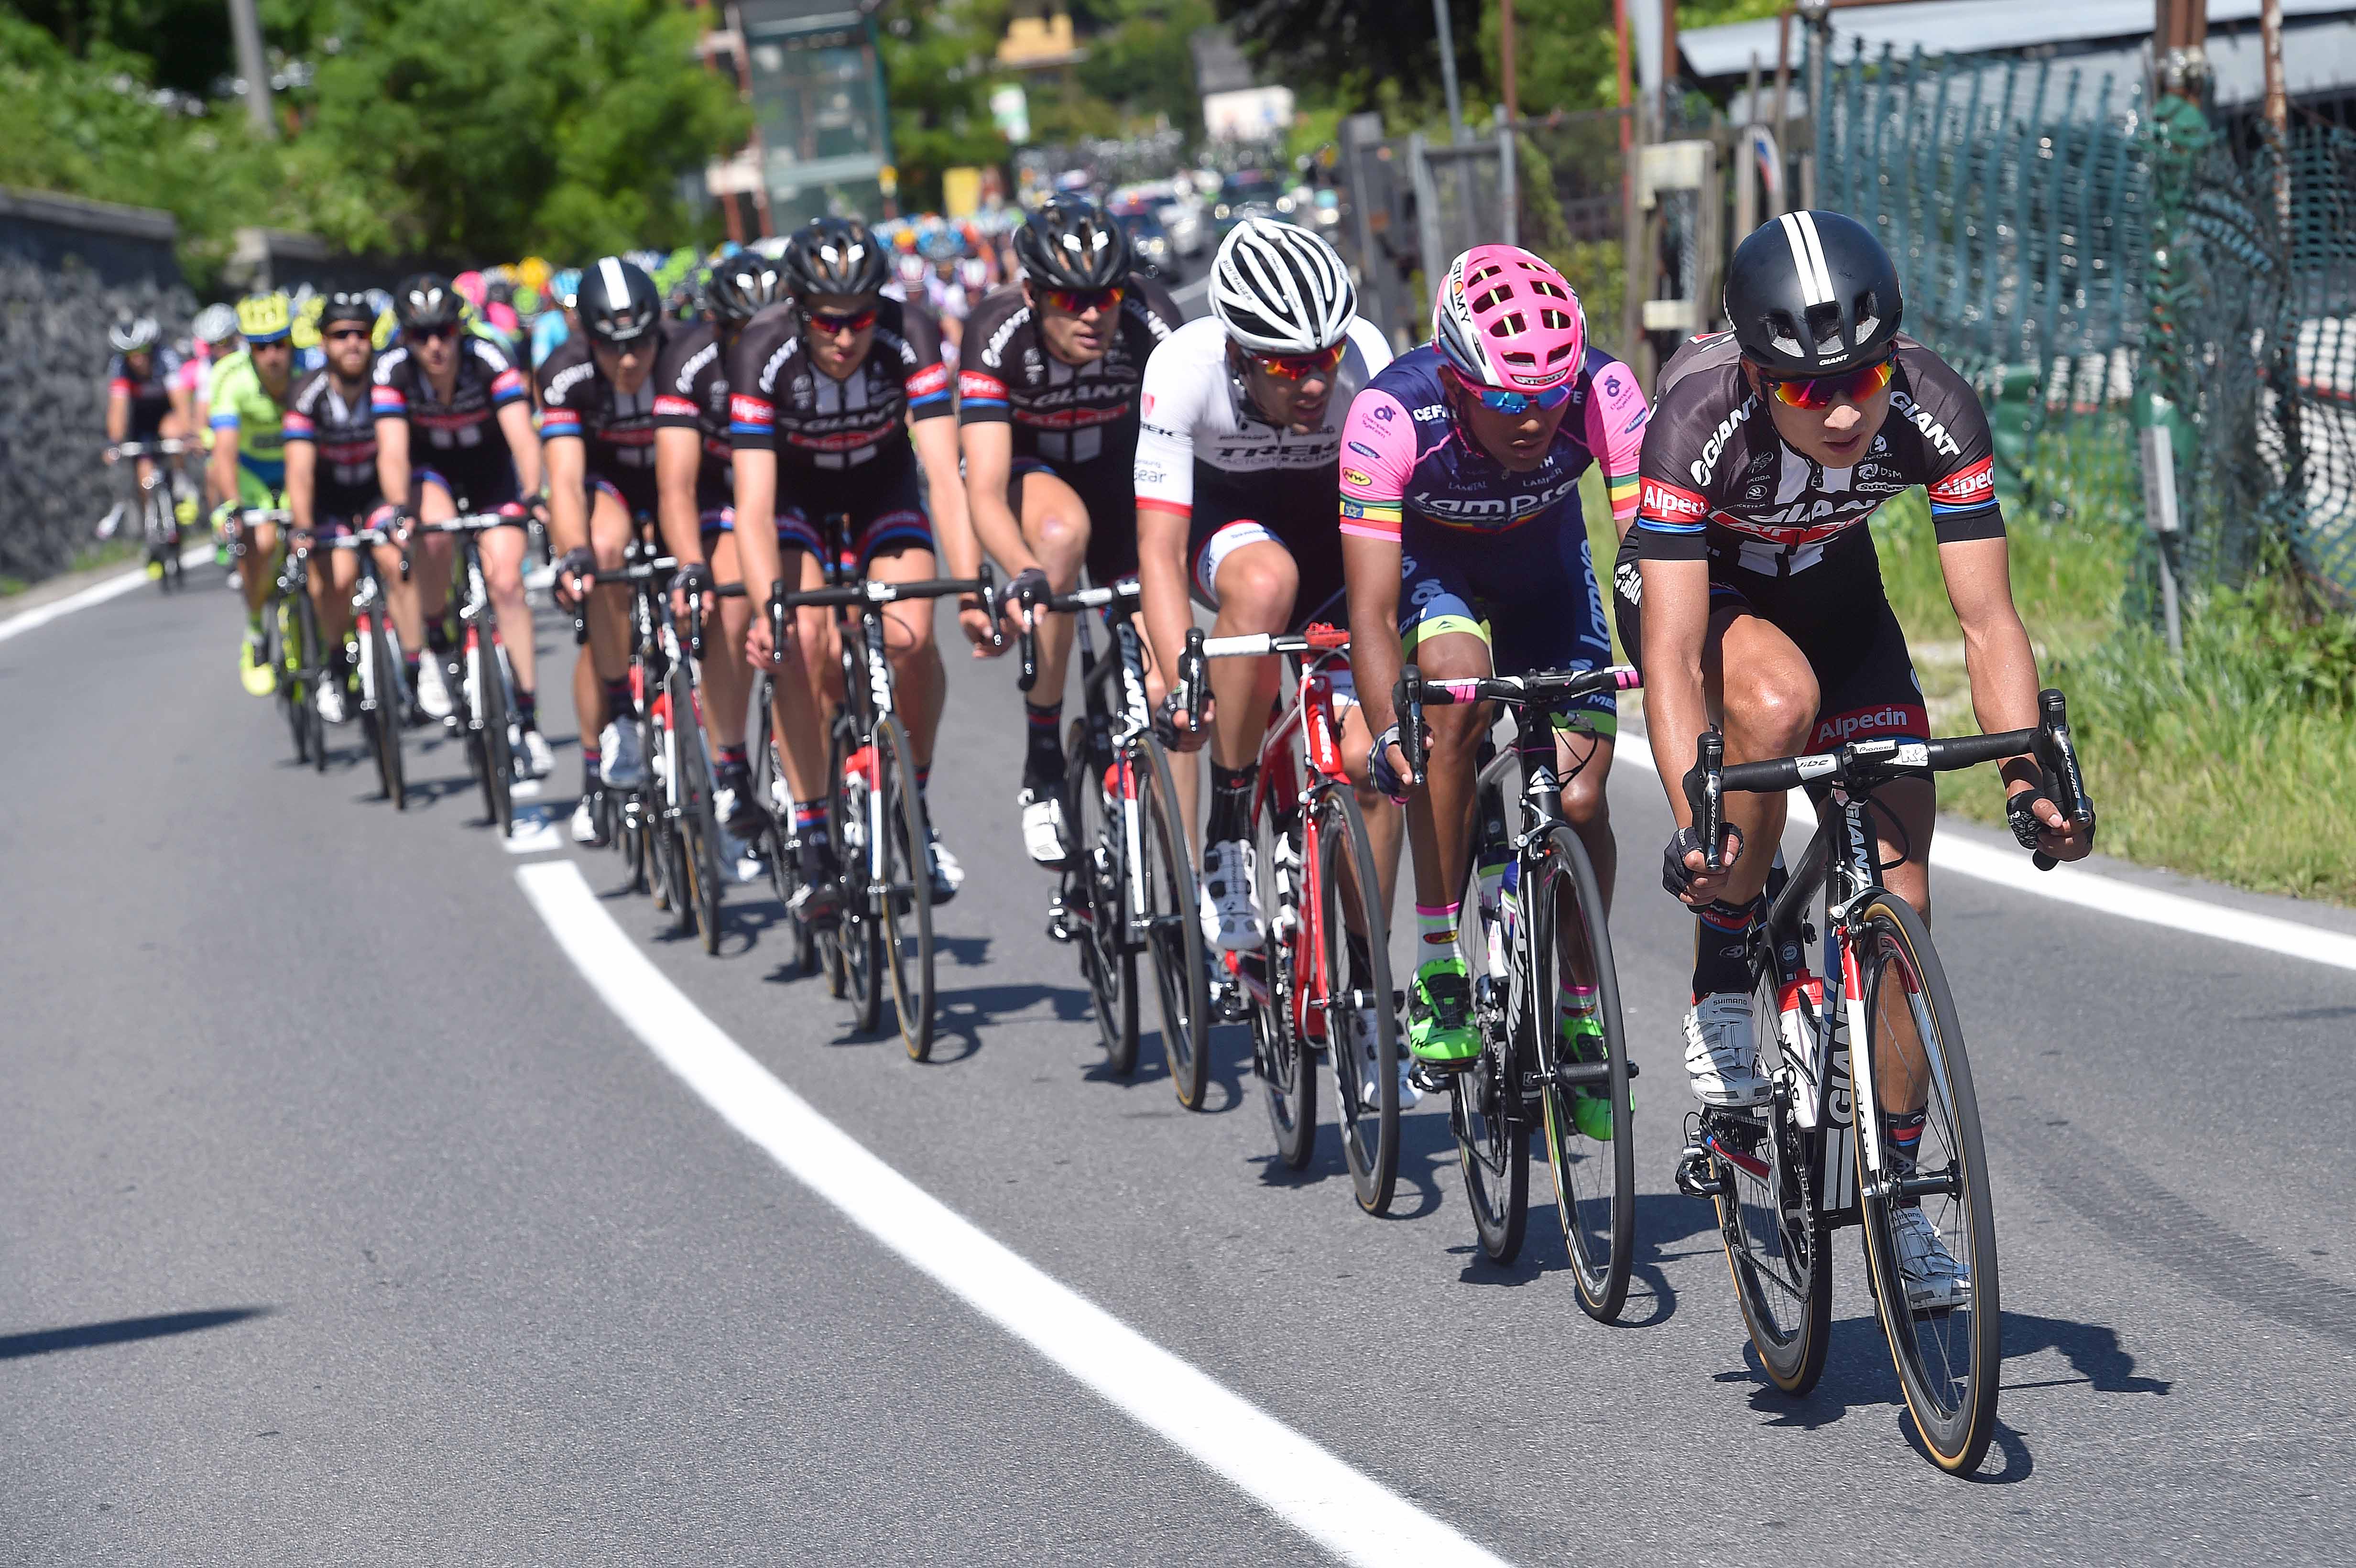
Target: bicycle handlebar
column 166, row 446
column 1079, row 599
column 1318, row 638
column 1416, row 691
column 871, row 592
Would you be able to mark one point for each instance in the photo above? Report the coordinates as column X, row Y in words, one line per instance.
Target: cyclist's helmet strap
column 1281, row 290
column 834, row 256
column 1069, row 243
column 426, row 300
column 619, row 303
column 1810, row 292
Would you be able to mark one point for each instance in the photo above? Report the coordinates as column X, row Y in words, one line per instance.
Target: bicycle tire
column 1954, row 1410
column 486, row 674
column 1492, row 1140
column 667, row 861
column 1286, row 1067
column 382, row 688
column 907, row 931
column 1099, row 879
column 1172, row 936
column 275, row 633
column 784, row 867
column 857, row 929
column 313, row 660
column 1598, row 1222
column 1370, row 1134
column 698, row 819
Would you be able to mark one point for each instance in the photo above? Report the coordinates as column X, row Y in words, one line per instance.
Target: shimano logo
column 1713, row 449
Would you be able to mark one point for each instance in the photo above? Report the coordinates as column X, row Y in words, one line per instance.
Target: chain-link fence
column 2099, row 263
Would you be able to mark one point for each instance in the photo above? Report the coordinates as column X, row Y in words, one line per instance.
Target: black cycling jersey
column 342, row 428
column 461, row 440
column 1067, row 416
column 778, row 401
column 150, row 395
column 616, row 429
column 691, row 393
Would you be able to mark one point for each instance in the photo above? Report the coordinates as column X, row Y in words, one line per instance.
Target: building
column 822, row 138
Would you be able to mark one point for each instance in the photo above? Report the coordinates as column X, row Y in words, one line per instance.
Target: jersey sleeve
column 989, row 332
column 682, row 365
column 1169, row 406
column 386, row 398
column 1379, row 452
column 1150, row 301
column 296, row 422
column 1960, row 449
column 1616, row 416
column 752, row 392
column 924, row 379
column 507, row 381
column 1672, row 513
column 223, row 414
column 563, row 378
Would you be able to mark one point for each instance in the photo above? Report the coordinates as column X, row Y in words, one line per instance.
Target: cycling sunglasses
column 1498, row 400
column 833, row 323
column 1817, row 393
column 1079, row 302
column 430, row 334
column 346, row 334
column 1301, row 366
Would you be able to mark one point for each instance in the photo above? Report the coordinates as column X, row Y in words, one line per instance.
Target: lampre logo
column 1669, row 504
column 1890, row 718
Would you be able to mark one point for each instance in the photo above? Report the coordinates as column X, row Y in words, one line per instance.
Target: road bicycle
column 1320, row 986
column 1561, row 1070
column 482, row 695
column 883, row 838
column 159, row 525
column 1129, row 884
column 289, row 634
column 384, row 695
column 1786, row 1174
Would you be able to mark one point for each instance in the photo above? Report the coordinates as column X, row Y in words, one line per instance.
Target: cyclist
column 330, row 426
column 1464, row 545
column 834, row 401
column 1047, row 392
column 555, row 324
column 696, row 488
column 457, row 397
column 597, row 421
column 247, row 412
column 1234, row 476
column 146, row 396
column 1751, row 591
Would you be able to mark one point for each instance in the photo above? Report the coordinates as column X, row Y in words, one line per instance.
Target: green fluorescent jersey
column 239, row 403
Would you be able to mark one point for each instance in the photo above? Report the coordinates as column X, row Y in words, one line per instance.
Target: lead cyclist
column 1751, row 591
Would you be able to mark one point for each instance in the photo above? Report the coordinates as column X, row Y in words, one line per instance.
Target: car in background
column 1150, row 244
column 1252, row 188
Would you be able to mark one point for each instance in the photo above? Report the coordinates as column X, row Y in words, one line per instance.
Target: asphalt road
column 341, row 1221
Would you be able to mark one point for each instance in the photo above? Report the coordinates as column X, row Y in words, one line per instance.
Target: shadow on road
column 121, row 1330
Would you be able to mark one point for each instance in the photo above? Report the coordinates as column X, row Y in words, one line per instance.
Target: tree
column 938, row 75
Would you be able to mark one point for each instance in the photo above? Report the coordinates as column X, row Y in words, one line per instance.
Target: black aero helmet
column 1810, row 292
column 619, row 303
column 346, row 307
column 832, row 256
column 426, row 301
column 1069, row 243
column 741, row 285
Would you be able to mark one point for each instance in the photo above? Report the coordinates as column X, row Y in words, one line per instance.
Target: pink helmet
column 471, row 285
column 1504, row 318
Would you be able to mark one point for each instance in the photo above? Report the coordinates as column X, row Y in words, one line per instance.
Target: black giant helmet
column 741, row 285
column 618, row 304
column 426, row 301
column 341, row 308
column 1069, row 243
column 834, row 256
column 1811, row 293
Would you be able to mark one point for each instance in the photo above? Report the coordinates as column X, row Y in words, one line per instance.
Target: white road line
column 96, row 593
column 535, row 832
column 2106, row 895
column 1349, row 1514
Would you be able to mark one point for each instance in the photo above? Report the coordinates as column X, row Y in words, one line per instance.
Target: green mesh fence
column 2097, row 262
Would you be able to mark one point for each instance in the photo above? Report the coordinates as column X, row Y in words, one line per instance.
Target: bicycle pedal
column 1059, row 924
column 1431, row 1080
column 1698, row 1175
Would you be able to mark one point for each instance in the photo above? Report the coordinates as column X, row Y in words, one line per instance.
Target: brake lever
column 1705, row 787
column 1029, row 639
column 1194, row 676
column 1414, row 739
column 2057, row 759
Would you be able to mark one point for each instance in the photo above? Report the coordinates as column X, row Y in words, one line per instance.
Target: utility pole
column 1669, row 71
column 1448, row 72
column 1505, row 59
column 2180, row 35
column 246, row 28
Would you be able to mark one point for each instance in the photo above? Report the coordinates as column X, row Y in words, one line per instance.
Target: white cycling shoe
column 620, row 762
column 434, row 686
column 1722, row 1052
column 948, row 874
column 331, row 700
column 1935, row 1282
column 1043, row 825
column 539, row 756
column 585, row 829
column 1232, row 921
column 1366, row 1039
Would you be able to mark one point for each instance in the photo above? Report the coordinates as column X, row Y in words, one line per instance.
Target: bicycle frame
column 1120, row 606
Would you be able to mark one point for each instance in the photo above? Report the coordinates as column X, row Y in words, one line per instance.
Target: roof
column 803, row 15
column 1944, row 27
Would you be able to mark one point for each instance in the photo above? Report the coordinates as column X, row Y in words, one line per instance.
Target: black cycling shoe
column 818, row 894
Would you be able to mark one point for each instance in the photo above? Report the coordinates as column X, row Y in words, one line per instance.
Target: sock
column 1231, row 789
column 1436, row 924
column 437, row 636
column 1043, row 756
column 590, row 758
column 810, row 824
column 527, row 708
column 732, row 764
column 1722, row 945
column 1903, row 1135
column 617, row 699
column 1578, row 1001
column 924, row 777
column 409, row 666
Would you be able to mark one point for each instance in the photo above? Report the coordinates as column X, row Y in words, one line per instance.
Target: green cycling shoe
column 1440, row 1029
column 1591, row 1106
column 253, row 671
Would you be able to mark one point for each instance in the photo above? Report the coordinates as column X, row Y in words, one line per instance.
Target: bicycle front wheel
column 1583, row 1062
column 311, row 661
column 905, row 903
column 384, row 708
column 1096, row 896
column 1354, row 978
column 699, row 825
column 1165, row 903
column 1948, row 1341
column 487, row 684
column 1287, row 1066
column 858, row 932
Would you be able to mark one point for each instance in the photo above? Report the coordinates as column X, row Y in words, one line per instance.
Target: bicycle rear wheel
column 487, row 687
column 699, row 823
column 1484, row 1111
column 1167, row 906
column 311, row 661
column 1096, row 896
column 770, row 789
column 384, row 706
column 1353, row 975
column 905, row 902
column 1288, row 1067
column 1949, row 1358
column 1594, row 1177
column 859, row 932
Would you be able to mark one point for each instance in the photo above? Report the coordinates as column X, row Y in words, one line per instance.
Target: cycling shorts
column 885, row 509
column 496, row 492
column 1108, row 491
column 1529, row 593
column 1217, row 530
column 1836, row 615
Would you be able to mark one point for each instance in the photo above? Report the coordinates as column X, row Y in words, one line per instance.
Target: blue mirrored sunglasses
column 1506, row 403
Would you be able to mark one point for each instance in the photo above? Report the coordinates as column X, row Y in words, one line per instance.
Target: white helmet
column 1281, row 290
column 132, row 335
column 216, row 324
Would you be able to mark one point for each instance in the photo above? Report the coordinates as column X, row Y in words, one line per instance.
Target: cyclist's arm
column 2002, row 666
column 1163, row 475
column 989, row 451
column 118, row 415
column 1675, row 622
column 1161, row 530
column 935, row 441
column 757, row 555
column 679, row 461
column 224, row 464
column 568, row 495
column 302, row 472
column 1616, row 416
column 523, row 443
column 1378, row 446
column 391, row 460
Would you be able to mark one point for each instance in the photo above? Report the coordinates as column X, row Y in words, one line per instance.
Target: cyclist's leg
column 1385, row 823
column 1252, row 582
column 1547, row 613
column 895, row 545
column 259, row 568
column 794, row 692
column 727, row 678
column 502, row 553
column 601, row 673
column 1442, row 633
column 1055, row 526
column 334, row 574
